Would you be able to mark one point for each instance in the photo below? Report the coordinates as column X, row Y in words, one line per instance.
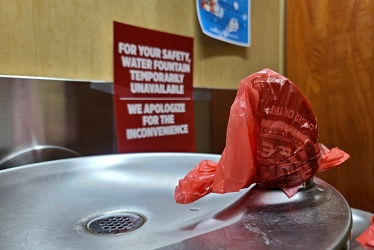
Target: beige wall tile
column 17, row 54
column 74, row 38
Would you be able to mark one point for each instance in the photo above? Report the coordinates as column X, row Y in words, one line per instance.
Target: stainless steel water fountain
column 127, row 201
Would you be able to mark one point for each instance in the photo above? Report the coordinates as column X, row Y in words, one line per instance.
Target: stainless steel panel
column 66, row 115
column 47, row 119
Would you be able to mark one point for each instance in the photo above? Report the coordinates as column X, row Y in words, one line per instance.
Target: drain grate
column 117, row 223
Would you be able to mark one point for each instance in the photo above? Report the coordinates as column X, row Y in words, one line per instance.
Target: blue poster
column 225, row 20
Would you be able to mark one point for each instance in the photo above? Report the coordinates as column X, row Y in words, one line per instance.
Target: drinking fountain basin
column 126, row 201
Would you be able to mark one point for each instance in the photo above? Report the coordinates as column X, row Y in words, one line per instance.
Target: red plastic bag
column 271, row 140
column 366, row 239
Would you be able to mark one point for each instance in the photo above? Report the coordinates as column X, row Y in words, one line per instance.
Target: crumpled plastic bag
column 366, row 238
column 271, row 140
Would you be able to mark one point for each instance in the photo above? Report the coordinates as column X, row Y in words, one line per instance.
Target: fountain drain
column 115, row 223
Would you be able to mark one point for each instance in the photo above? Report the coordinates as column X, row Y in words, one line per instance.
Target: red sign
column 153, row 90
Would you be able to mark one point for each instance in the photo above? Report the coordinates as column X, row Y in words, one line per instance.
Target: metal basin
column 361, row 221
column 127, row 202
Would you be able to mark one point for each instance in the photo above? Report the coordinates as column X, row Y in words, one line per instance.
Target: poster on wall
column 153, row 90
column 226, row 20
